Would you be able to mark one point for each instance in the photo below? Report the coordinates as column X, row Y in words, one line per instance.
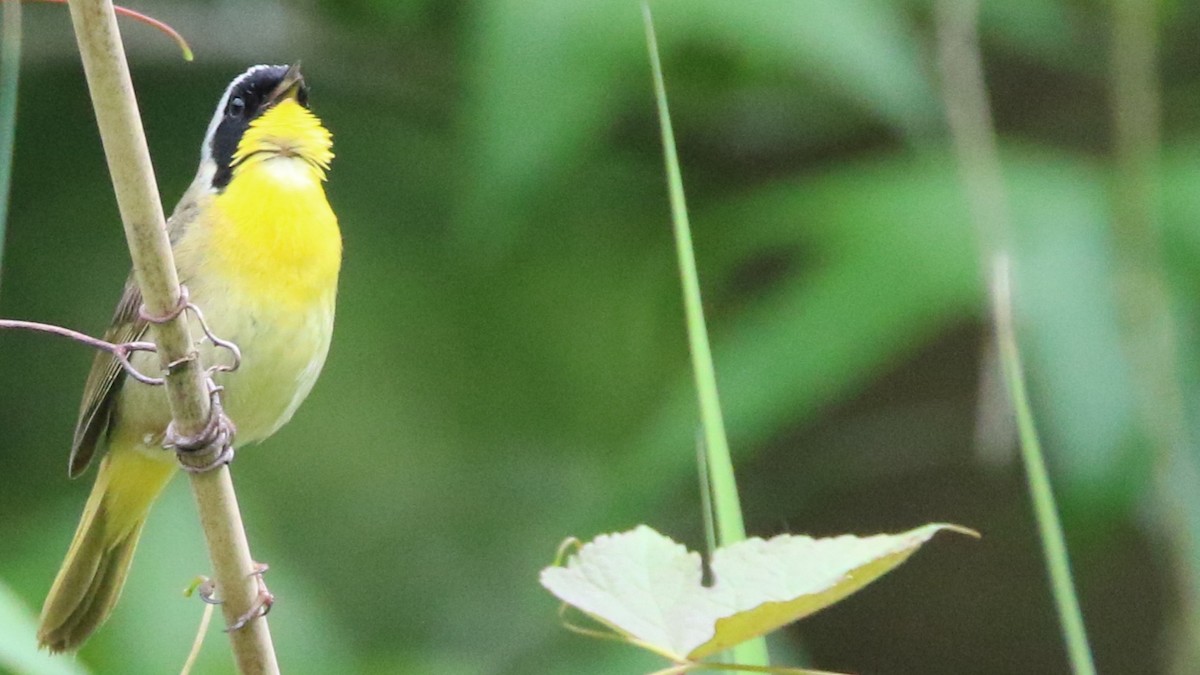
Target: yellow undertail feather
column 91, row 578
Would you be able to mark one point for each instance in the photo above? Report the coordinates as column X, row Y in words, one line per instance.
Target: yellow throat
column 273, row 232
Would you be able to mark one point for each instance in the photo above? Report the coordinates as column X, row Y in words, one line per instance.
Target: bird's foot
column 212, row 446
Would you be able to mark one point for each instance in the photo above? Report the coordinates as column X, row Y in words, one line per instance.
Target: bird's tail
column 90, row 581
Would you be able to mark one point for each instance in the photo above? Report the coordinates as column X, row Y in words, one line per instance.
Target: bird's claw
column 217, row 435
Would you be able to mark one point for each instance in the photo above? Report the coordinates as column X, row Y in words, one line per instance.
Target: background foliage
column 510, row 366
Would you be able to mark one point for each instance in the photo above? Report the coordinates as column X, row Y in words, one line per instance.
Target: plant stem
column 979, row 166
column 120, row 351
column 1148, row 327
column 730, row 527
column 728, row 510
column 129, row 165
column 1054, row 543
column 198, row 643
column 10, row 68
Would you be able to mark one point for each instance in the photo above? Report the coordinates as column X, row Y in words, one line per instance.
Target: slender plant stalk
column 728, row 509
column 197, row 643
column 10, row 68
column 141, row 211
column 1148, row 327
column 979, row 165
column 1054, row 543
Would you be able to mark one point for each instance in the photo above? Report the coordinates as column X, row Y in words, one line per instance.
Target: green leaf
column 547, row 79
column 648, row 588
column 863, row 50
column 18, row 642
column 898, row 267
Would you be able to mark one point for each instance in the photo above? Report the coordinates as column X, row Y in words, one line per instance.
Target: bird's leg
column 217, row 435
column 262, row 601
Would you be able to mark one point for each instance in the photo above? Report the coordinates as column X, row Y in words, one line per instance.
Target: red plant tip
column 149, row 21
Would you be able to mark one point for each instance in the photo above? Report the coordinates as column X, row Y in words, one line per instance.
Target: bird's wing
column 104, row 380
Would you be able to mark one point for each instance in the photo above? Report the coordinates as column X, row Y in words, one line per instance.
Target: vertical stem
column 971, row 127
column 137, row 198
column 1148, row 327
column 730, row 525
column 10, row 68
column 132, row 175
column 229, row 550
column 1054, row 543
column 730, row 529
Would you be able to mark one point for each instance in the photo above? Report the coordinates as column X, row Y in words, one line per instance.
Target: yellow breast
column 272, row 233
column 262, row 262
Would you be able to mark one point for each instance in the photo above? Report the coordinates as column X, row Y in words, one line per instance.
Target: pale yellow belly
column 283, row 351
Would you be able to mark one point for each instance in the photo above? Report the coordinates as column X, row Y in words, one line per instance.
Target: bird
column 258, row 248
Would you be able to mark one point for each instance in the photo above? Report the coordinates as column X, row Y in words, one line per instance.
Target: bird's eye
column 236, row 107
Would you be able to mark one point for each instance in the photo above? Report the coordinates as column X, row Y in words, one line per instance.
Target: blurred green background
column 510, row 367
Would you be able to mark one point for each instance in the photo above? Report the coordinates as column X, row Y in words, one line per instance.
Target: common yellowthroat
column 259, row 250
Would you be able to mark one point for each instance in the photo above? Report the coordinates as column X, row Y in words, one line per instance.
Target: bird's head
column 264, row 116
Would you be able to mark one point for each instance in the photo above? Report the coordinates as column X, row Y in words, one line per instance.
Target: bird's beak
column 289, row 87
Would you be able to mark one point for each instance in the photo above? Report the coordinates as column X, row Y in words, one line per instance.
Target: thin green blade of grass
column 10, row 67
column 974, row 138
column 730, row 527
column 721, row 481
column 1050, row 527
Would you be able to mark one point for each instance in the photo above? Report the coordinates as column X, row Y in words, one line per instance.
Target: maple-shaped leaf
column 648, row 588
